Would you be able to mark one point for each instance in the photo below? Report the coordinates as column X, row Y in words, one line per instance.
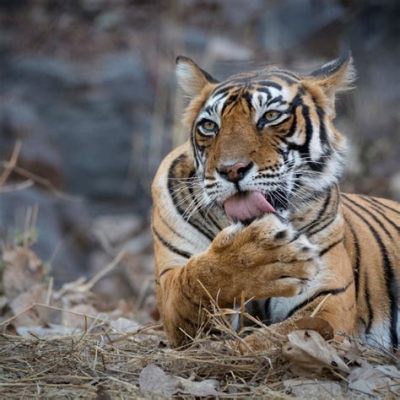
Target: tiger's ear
column 335, row 76
column 191, row 78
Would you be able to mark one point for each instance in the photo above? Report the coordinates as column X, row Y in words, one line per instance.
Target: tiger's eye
column 209, row 126
column 271, row 115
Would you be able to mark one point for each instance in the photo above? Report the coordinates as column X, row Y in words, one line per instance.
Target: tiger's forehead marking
column 268, row 92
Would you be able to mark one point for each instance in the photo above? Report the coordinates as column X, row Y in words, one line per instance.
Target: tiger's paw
column 267, row 258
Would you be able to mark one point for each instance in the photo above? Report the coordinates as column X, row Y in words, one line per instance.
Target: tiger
column 249, row 207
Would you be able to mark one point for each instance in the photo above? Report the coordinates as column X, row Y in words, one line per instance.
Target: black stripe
column 306, row 302
column 384, row 205
column 253, row 308
column 169, row 226
column 248, row 97
column 171, row 181
column 357, row 250
column 308, row 130
column 297, row 101
column 230, row 100
column 288, row 79
column 370, row 201
column 331, row 67
column 267, row 320
column 265, row 90
column 293, row 127
column 383, row 227
column 390, row 279
column 277, row 99
column 210, row 234
column 208, row 76
column 208, row 110
column 164, row 271
column 330, row 218
column 322, row 129
column 330, row 247
column 170, row 246
column 197, row 157
column 303, row 149
column 321, row 228
column 222, row 90
column 215, row 223
column 269, row 84
column 381, row 212
column 368, row 302
column 286, row 73
column 321, row 213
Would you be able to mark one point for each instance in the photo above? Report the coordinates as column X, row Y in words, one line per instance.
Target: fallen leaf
column 124, row 325
column 35, row 316
column 154, row 380
column 80, row 316
column 389, row 370
column 23, row 269
column 320, row 325
column 53, row 331
column 208, row 387
column 365, row 379
column 368, row 379
column 350, row 351
column 309, row 351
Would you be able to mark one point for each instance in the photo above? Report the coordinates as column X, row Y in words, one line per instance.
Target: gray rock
column 61, row 242
column 19, row 121
column 287, row 24
column 88, row 108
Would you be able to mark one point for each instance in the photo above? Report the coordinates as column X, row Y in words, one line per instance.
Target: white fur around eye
column 272, row 115
column 207, row 132
column 274, row 122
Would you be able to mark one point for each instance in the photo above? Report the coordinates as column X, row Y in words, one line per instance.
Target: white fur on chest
column 280, row 307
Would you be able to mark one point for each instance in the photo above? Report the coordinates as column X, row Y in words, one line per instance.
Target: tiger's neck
column 321, row 216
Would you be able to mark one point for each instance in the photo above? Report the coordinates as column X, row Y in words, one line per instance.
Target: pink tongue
column 245, row 206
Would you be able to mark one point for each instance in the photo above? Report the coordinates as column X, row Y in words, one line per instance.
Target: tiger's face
column 264, row 141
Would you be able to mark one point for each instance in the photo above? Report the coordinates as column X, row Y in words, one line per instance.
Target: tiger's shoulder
column 176, row 166
column 382, row 211
column 372, row 223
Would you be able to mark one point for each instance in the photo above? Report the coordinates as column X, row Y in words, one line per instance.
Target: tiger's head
column 264, row 141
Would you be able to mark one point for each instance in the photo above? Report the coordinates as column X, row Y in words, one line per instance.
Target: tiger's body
column 316, row 242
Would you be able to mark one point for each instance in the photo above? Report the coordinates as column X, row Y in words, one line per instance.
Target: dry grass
column 104, row 364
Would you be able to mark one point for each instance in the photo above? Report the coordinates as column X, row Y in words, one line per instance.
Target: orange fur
column 344, row 246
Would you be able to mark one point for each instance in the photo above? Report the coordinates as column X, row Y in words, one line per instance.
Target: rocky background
column 88, row 105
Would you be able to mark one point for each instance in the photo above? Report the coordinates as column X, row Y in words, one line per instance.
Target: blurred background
column 88, row 108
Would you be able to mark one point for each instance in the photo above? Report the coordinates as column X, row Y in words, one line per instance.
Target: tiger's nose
column 234, row 172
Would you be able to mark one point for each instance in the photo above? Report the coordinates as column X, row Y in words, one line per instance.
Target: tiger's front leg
column 264, row 259
column 334, row 301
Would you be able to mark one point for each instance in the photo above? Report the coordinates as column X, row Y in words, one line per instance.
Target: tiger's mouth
column 247, row 206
